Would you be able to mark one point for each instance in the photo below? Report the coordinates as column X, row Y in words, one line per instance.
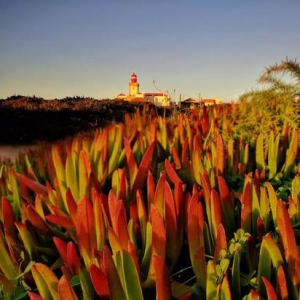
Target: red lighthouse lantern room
column 133, row 78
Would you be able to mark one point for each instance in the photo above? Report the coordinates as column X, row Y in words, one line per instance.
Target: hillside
column 25, row 120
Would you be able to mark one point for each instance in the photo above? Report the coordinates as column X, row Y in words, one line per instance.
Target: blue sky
column 54, row 49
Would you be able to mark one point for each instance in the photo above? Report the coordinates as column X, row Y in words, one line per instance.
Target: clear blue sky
column 54, row 49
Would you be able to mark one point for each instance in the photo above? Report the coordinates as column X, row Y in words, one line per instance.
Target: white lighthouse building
column 159, row 99
column 133, row 85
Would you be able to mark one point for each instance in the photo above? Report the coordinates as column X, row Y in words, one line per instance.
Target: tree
column 273, row 76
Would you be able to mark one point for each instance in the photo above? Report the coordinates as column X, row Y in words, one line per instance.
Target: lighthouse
column 133, row 85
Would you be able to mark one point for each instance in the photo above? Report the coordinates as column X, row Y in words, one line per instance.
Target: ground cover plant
column 194, row 206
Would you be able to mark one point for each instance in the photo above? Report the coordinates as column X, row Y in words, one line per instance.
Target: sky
column 209, row 49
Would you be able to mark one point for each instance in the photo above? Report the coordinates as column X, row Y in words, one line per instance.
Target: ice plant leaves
column 291, row 153
column 172, row 174
column 27, row 239
column 115, row 138
column 260, row 152
column 132, row 203
column 246, row 209
column 269, row 256
column 163, row 286
column 211, row 283
column 32, row 184
column 216, row 213
column 46, row 281
column 271, row 294
column 65, row 289
column 85, row 229
column 291, row 252
column 110, row 270
column 143, row 169
column 227, row 204
column 8, row 218
column 6, row 264
column 100, row 282
column 128, row 274
column 220, row 153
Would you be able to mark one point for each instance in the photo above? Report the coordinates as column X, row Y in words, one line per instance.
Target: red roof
column 208, row 100
column 133, row 78
column 154, row 94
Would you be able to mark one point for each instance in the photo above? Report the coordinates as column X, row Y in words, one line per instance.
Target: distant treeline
column 75, row 103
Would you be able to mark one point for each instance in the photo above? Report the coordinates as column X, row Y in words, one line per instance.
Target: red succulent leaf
column 133, row 209
column 85, row 222
column 159, row 198
column 32, row 184
column 143, row 170
column 37, row 221
column 61, row 246
column 122, row 191
column 150, row 190
column 8, row 218
column 200, row 267
column 204, row 122
column 57, row 211
column 269, row 288
column 220, row 155
column 289, row 244
column 195, row 226
column 286, row 233
column 281, row 284
column 261, row 231
column 65, row 289
column 171, row 225
column 172, row 174
column 104, row 205
column 72, row 205
column 227, row 203
column 205, row 183
column 163, row 285
column 99, row 281
column 216, row 212
column 73, row 259
column 142, row 215
column 114, row 283
column 185, row 154
column 34, row 296
column 246, row 212
column 187, row 296
column 100, row 220
column 176, row 158
column 221, row 241
column 131, row 162
column 62, row 221
column 133, row 253
column 158, row 233
column 84, row 171
column 179, row 200
column 112, row 204
column 54, row 199
column 121, row 225
column 180, row 210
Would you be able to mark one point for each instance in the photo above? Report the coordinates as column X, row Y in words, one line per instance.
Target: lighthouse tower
column 133, row 85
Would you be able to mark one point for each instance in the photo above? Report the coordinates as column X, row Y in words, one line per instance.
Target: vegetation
column 26, row 120
column 194, row 206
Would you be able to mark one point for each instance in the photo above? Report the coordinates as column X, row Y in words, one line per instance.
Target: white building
column 159, row 99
